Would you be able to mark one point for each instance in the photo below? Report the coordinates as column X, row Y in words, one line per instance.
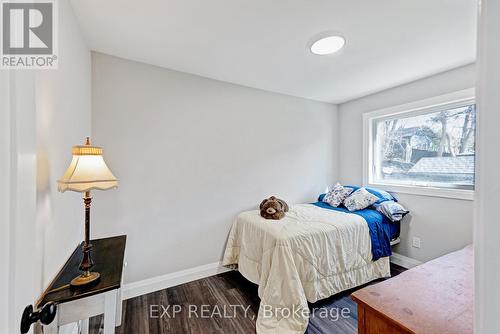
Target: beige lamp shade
column 87, row 171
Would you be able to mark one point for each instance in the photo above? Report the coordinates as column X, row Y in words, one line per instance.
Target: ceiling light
column 327, row 45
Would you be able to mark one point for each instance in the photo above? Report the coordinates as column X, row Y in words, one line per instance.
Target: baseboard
column 157, row 283
column 404, row 261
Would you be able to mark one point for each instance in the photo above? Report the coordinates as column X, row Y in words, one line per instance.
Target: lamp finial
column 87, row 142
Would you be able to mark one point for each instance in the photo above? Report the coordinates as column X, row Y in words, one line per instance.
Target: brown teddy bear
column 273, row 208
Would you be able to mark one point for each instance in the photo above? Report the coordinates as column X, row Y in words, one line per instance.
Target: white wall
column 63, row 119
column 4, row 197
column 191, row 153
column 49, row 111
column 442, row 224
column 22, row 195
column 487, row 231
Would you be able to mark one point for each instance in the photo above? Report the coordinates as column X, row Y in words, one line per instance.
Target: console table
column 104, row 297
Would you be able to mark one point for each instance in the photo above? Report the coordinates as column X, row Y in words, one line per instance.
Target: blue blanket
column 381, row 229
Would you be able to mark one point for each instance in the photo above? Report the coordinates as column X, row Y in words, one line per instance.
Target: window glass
column 431, row 149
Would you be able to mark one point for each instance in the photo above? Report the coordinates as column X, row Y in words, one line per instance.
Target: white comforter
column 309, row 255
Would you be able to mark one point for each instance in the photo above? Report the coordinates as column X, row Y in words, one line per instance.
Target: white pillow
column 337, row 195
column 359, row 200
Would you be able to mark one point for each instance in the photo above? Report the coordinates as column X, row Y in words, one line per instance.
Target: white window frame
column 423, row 106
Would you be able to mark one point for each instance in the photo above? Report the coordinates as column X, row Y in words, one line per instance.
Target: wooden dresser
column 436, row 297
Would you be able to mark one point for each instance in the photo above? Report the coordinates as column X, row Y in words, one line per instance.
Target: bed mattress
column 309, row 255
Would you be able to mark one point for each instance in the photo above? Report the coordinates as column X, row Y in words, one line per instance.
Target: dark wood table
column 103, row 297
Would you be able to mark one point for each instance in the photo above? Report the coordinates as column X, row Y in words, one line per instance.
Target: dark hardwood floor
column 233, row 303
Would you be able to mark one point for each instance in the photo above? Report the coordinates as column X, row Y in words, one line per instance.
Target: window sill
column 460, row 194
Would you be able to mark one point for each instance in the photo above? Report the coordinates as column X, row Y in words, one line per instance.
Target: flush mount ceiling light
column 327, row 45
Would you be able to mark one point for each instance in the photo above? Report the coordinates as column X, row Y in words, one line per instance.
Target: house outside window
column 426, row 148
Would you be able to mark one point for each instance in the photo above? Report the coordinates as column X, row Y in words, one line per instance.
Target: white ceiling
column 264, row 43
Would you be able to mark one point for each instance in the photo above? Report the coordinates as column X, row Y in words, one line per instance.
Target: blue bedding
column 382, row 230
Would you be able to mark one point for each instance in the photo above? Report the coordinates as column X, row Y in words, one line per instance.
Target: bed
column 314, row 252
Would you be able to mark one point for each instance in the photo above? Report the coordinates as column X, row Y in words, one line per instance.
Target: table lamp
column 87, row 171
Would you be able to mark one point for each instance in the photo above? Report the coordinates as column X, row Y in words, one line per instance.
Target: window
column 429, row 150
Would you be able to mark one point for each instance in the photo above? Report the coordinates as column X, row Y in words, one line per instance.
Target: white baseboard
column 404, row 261
column 157, row 283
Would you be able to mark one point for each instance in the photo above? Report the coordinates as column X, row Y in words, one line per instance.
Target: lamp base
column 85, row 279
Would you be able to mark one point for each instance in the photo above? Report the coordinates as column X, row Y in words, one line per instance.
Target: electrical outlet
column 416, row 242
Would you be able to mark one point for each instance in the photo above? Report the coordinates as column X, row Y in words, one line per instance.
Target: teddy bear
column 273, row 208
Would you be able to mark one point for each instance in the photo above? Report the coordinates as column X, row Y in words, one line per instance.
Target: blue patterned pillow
column 392, row 210
column 381, row 194
column 359, row 200
column 337, row 195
